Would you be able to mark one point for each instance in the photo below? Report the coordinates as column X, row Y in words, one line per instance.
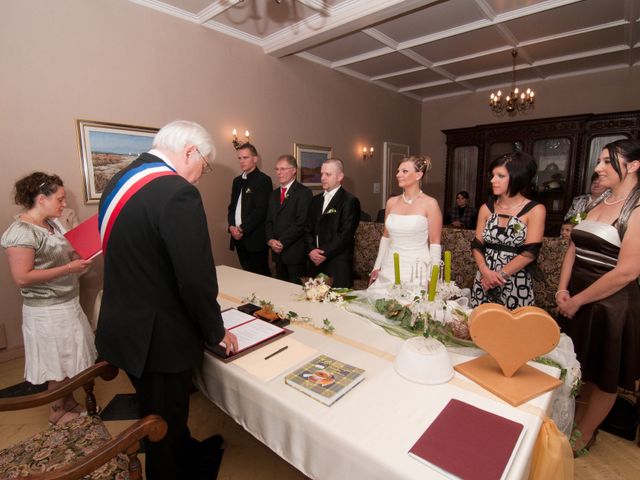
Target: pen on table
column 276, row 352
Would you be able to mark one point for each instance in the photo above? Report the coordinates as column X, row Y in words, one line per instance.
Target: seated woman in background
column 508, row 235
column 579, row 203
column 598, row 293
column 462, row 215
column 58, row 342
column 413, row 225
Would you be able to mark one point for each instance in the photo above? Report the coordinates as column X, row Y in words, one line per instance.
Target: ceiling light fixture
column 516, row 101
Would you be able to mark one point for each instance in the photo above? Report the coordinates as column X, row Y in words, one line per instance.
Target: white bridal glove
column 435, row 251
column 382, row 252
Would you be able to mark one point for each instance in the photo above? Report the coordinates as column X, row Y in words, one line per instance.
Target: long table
column 368, row 432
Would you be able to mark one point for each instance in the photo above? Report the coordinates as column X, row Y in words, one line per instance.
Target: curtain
column 464, row 173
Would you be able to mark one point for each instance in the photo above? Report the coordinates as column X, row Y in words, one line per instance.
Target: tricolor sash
column 125, row 188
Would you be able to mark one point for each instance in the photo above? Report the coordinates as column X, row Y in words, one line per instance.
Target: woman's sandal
column 77, row 408
column 66, row 417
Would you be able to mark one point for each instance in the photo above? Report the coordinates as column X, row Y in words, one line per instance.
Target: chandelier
column 516, row 101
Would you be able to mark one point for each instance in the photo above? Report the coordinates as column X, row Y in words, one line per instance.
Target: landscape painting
column 310, row 159
column 107, row 148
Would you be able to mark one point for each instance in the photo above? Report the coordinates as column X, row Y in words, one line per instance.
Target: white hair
column 179, row 134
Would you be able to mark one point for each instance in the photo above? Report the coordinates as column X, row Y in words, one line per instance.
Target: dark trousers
column 291, row 273
column 255, row 262
column 167, row 395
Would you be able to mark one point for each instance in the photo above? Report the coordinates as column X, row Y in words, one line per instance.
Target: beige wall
column 612, row 91
column 114, row 61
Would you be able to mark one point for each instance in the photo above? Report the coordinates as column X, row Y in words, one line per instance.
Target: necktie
column 283, row 192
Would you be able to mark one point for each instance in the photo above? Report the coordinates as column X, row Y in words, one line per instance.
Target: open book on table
column 252, row 333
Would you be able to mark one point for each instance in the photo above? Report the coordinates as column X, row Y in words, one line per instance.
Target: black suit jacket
column 286, row 223
column 159, row 303
column 255, row 195
column 334, row 232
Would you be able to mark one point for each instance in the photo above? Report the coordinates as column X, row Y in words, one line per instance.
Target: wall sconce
column 237, row 143
column 367, row 152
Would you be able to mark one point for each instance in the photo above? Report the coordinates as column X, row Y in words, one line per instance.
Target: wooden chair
column 81, row 448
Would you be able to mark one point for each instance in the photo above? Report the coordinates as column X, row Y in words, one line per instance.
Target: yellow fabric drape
column 552, row 455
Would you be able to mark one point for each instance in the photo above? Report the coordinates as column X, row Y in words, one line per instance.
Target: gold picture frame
column 105, row 149
column 310, row 159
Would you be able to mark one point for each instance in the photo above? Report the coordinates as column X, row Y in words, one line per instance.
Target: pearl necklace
column 614, row 203
column 410, row 201
column 500, row 204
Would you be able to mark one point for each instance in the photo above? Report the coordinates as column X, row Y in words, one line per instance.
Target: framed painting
column 310, row 159
column 107, row 148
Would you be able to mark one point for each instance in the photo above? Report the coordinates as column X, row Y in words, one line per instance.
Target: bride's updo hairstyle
column 422, row 163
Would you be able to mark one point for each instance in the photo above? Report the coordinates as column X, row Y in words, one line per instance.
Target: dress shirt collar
column 331, row 193
column 288, row 185
column 162, row 157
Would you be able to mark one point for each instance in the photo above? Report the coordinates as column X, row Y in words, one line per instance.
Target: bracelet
column 561, row 291
column 505, row 276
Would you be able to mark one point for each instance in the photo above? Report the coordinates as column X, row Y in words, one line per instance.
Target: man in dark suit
column 286, row 216
column 159, row 303
column 248, row 212
column 331, row 227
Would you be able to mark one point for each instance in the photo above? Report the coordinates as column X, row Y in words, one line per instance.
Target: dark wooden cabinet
column 565, row 150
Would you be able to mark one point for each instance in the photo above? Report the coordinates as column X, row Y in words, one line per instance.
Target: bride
column 411, row 220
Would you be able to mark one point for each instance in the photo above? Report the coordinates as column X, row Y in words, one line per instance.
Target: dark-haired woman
column 58, row 341
column 508, row 235
column 598, row 293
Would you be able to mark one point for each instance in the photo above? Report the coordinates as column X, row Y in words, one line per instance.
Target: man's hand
column 230, row 342
column 317, row 256
column 236, row 232
column 275, row 245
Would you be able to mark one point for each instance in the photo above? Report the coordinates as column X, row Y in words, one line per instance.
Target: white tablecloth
column 367, row 433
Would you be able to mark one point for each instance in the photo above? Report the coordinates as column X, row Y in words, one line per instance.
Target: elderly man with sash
column 159, row 304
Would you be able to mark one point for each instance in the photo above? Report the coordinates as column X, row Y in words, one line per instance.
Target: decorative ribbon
column 127, row 187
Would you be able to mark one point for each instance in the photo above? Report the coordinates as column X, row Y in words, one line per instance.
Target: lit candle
column 435, row 272
column 235, row 132
column 396, row 267
column 447, row 266
column 246, row 133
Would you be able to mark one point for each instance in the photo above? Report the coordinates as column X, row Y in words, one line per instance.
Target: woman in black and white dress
column 508, row 235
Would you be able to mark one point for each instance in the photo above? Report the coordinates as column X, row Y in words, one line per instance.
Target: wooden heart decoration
column 513, row 338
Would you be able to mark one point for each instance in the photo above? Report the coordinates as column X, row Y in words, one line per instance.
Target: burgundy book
column 85, row 238
column 467, row 442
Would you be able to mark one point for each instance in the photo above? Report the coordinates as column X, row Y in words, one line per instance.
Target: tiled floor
column 246, row 458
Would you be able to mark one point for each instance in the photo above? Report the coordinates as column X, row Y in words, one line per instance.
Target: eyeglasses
column 283, row 169
column 207, row 166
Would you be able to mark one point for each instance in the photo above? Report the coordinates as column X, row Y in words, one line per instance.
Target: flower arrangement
column 445, row 318
column 318, row 289
column 578, row 217
column 326, row 326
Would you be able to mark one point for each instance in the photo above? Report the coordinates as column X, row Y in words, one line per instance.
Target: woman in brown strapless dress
column 598, row 292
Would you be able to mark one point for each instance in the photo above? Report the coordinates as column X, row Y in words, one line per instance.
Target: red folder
column 469, row 443
column 85, row 238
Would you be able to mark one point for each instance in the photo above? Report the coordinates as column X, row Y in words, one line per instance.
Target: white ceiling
column 429, row 49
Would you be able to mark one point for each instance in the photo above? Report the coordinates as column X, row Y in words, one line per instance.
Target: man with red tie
column 286, row 216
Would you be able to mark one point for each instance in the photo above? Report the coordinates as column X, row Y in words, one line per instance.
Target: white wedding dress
column 409, row 237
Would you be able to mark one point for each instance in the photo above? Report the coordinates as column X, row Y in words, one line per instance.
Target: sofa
column 463, row 266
